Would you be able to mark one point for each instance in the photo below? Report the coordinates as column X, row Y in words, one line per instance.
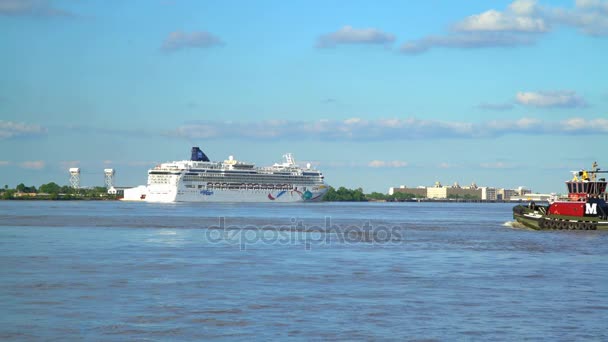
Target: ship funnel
column 198, row 155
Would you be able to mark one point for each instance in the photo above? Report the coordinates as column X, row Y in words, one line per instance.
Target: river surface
column 316, row 271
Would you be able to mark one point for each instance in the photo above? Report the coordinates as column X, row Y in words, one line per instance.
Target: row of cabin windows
column 265, row 177
column 248, row 180
column 159, row 179
column 592, row 188
column 266, row 187
column 251, row 183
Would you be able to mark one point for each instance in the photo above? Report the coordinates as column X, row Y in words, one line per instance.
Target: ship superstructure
column 231, row 180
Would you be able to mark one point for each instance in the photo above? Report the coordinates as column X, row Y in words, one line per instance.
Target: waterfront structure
column 528, row 197
column 454, row 191
column 505, row 194
column 118, row 190
column 438, row 191
column 488, row 193
column 419, row 192
column 202, row 180
column 74, row 177
column 109, row 178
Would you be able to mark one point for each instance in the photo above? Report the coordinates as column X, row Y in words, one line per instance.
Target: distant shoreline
column 58, row 199
column 449, row 200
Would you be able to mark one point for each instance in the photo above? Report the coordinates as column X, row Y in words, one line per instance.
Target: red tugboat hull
column 536, row 219
column 567, row 209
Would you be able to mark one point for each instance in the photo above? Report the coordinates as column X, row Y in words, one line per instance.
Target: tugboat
column 584, row 209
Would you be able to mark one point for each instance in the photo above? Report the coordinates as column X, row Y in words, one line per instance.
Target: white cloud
column 33, row 165
column 560, row 98
column 11, row 129
column 574, row 124
column 522, row 23
column 523, row 7
column 391, row 163
column 495, row 106
column 522, row 125
column 34, row 8
column 590, row 17
column 467, row 40
column 518, row 18
column 518, row 25
column 391, row 123
column 202, row 131
column 592, row 4
column 198, row 39
column 446, row 165
column 581, row 124
column 496, row 165
column 382, row 129
column 350, row 35
column 5, row 163
column 352, row 121
column 525, row 123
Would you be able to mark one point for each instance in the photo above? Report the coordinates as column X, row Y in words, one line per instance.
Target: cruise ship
column 202, row 180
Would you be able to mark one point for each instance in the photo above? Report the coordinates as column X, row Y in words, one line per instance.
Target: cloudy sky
column 374, row 93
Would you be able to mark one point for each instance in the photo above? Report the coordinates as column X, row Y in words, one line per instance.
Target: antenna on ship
column 289, row 159
column 594, row 170
column 587, row 174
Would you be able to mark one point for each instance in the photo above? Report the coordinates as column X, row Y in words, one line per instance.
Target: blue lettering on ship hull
column 207, row 192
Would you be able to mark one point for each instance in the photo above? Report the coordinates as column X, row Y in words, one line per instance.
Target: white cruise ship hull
column 170, row 195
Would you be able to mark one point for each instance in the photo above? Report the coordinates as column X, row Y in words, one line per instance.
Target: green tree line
column 54, row 191
column 343, row 194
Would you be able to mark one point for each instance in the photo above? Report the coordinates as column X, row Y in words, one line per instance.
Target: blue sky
column 375, row 94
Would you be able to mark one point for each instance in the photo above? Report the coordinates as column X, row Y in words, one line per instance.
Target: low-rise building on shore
column 471, row 192
column 419, row 192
